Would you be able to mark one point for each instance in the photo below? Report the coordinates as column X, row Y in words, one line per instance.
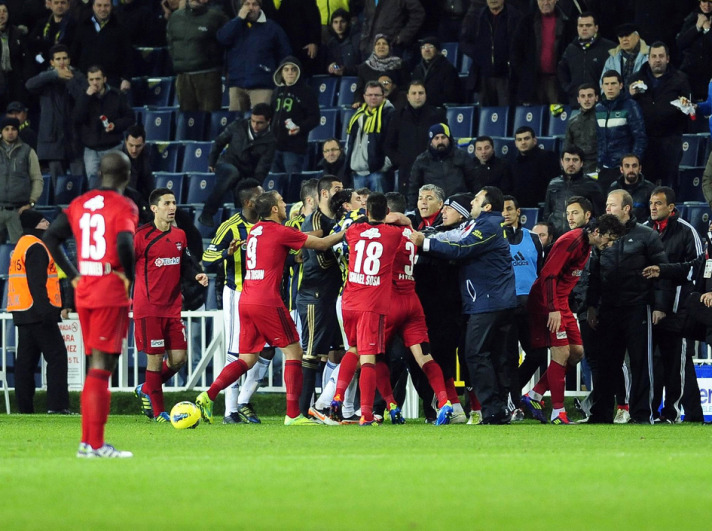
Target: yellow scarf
column 373, row 121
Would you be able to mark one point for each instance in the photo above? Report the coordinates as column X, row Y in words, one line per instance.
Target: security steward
column 34, row 299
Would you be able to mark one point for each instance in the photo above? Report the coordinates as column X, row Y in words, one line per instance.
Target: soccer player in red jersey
column 162, row 258
column 552, row 324
column 103, row 223
column 263, row 316
column 366, row 299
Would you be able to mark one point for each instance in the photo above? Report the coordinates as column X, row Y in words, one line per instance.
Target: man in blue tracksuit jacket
column 488, row 293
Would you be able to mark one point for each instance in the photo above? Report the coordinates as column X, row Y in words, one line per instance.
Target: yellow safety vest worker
column 19, row 297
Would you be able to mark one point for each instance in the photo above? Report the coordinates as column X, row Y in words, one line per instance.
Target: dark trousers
column 226, row 178
column 489, row 359
column 662, row 160
column 669, row 362
column 624, row 329
column 535, row 358
column 33, row 341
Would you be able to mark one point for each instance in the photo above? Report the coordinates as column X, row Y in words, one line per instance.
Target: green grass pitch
column 526, row 476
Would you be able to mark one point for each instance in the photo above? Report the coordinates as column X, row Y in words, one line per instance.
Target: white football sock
column 252, row 380
column 231, row 391
column 327, row 394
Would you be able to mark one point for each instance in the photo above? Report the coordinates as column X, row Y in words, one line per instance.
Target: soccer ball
column 185, row 415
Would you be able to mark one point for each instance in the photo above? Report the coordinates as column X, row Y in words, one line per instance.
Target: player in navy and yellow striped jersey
column 228, row 248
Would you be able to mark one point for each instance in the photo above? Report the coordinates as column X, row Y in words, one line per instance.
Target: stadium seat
column 466, row 144
column 191, row 125
column 205, row 231
column 195, row 156
column 327, row 126
column 219, row 120
column 172, row 181
column 557, row 124
column 346, row 115
column 450, row 51
column 326, row 87
column 165, row 156
column 461, row 121
column 158, row 125
column 347, row 89
column 66, row 188
column 690, row 185
column 276, row 181
column 294, row 185
column 199, row 187
column 94, row 182
column 532, row 116
column 691, row 150
column 465, row 64
column 158, row 92
column 698, row 215
column 45, row 196
column 5, row 253
column 529, row 217
column 549, row 143
column 504, row 148
column 493, row 121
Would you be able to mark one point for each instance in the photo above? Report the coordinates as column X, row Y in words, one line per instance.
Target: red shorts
column 366, row 331
column 155, row 335
column 265, row 324
column 541, row 337
column 406, row 317
column 104, row 329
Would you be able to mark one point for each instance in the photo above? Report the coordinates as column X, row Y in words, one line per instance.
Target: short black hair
column 308, row 189
column 494, row 197
column 263, row 109
column 377, row 206
column 265, row 202
column 336, row 201
column 373, row 84
column 612, row 73
column 525, row 129
column 416, row 83
column 95, row 68
column 396, row 202
column 669, row 193
column 136, row 131
column 551, row 230
column 608, row 224
column 58, row 48
column 510, row 198
column 630, row 156
column 485, row 138
column 245, row 189
column 588, row 86
column 156, row 195
column 586, row 14
column 325, row 183
column 585, row 203
column 341, row 12
column 572, row 150
column 661, row 44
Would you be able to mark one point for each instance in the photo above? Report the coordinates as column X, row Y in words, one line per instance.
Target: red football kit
column 367, row 295
column 157, row 300
column 551, row 290
column 263, row 316
column 96, row 218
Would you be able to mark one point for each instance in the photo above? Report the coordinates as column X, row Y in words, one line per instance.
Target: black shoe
column 503, row 417
column 232, row 418
column 206, row 220
column 59, row 412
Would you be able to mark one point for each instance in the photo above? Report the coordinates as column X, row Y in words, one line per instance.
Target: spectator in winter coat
column 442, row 82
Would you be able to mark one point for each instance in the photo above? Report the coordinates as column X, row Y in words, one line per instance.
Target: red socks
column 474, row 402
column 556, row 375
column 543, row 385
column 96, row 400
column 383, row 383
column 230, row 373
column 367, row 386
column 346, row 373
column 293, row 382
column 166, row 372
column 154, row 389
column 435, row 377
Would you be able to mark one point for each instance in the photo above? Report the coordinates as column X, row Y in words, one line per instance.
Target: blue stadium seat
column 219, row 120
column 327, row 126
column 557, row 124
column 294, row 185
column 347, row 89
column 44, row 198
column 461, row 121
column 165, row 156
column 276, row 181
column 690, row 185
column 158, row 92
column 549, row 143
column 493, row 121
column 450, row 51
column 465, row 64
column 326, row 87
column 466, row 144
column 158, row 125
column 532, row 116
column 208, row 232
column 691, row 150
column 66, row 188
column 195, row 156
column 172, row 181
column 191, row 125
column 346, row 115
column 5, row 253
column 199, row 187
column 698, row 215
column 529, row 218
column 504, row 148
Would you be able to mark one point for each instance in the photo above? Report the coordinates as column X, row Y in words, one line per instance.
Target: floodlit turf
column 416, row 476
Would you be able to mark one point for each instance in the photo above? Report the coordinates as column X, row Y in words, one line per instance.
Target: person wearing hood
column 296, row 112
column 20, row 177
column 440, row 77
column 342, row 48
column 197, row 55
column 255, row 46
column 34, row 299
column 451, row 169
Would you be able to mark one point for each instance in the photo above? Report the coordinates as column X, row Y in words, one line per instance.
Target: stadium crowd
column 629, row 81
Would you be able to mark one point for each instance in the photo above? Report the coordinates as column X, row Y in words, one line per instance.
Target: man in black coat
column 633, row 182
column 489, row 169
column 532, row 169
column 441, row 80
column 407, row 132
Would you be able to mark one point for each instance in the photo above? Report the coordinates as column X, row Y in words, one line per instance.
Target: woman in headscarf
column 380, row 63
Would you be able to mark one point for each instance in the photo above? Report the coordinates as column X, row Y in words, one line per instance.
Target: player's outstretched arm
column 125, row 248
column 322, row 244
column 57, row 233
